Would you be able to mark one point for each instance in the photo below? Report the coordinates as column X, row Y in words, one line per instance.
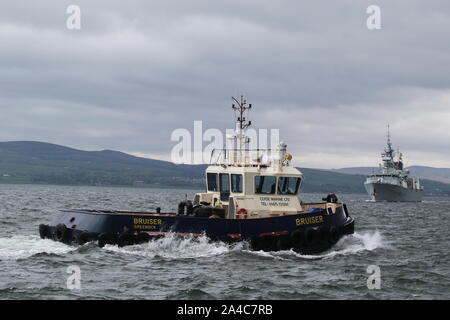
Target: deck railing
column 245, row 157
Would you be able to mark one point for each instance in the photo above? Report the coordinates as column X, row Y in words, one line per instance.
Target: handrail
column 238, row 156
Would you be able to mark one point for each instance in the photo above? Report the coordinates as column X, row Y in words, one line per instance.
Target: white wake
column 174, row 247
column 351, row 244
column 355, row 243
column 19, row 247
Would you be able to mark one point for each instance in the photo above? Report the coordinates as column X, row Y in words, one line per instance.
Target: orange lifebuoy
column 241, row 214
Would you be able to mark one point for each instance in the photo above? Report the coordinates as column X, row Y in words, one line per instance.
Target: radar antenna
column 241, row 108
column 389, row 137
column 241, row 124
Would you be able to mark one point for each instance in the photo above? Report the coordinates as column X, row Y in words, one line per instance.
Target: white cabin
column 251, row 183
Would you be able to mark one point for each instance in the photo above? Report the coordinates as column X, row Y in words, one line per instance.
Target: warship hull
column 392, row 193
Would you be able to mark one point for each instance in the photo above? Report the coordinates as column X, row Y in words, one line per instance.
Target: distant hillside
column 356, row 170
column 326, row 181
column 39, row 162
column 45, row 163
column 438, row 174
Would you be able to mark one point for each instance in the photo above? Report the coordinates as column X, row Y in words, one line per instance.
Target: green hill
column 39, row 162
column 45, row 163
column 324, row 181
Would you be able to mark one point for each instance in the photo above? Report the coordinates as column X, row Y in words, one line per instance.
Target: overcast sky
column 137, row 70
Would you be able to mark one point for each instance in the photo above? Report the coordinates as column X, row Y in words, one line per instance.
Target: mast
column 389, row 144
column 241, row 122
column 389, row 152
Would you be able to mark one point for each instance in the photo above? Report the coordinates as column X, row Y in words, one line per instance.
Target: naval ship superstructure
column 392, row 182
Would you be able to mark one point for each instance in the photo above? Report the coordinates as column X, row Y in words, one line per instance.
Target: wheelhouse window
column 236, row 183
column 265, row 184
column 224, row 182
column 288, row 185
column 212, row 181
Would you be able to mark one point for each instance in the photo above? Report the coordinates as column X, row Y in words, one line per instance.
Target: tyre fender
column 334, row 235
column 62, row 233
column 310, row 237
column 44, row 231
column 297, row 238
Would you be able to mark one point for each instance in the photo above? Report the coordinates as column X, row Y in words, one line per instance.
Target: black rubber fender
column 323, row 235
column 107, row 238
column 126, row 239
column 143, row 237
column 297, row 238
column 111, row 238
column 44, row 231
column 93, row 236
column 102, row 239
column 82, row 237
column 62, row 233
column 268, row 243
column 310, row 237
column 283, row 243
column 255, row 243
column 334, row 235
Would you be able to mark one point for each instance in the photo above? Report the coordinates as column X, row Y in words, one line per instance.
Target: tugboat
column 393, row 183
column 251, row 195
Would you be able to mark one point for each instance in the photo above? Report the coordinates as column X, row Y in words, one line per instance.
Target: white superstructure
column 251, row 183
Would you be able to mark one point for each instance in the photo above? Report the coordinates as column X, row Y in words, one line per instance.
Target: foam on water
column 276, row 255
column 352, row 244
column 371, row 240
column 174, row 247
column 19, row 247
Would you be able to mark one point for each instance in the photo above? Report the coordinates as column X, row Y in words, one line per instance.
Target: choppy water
column 409, row 242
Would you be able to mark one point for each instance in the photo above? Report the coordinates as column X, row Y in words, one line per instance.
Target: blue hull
column 308, row 232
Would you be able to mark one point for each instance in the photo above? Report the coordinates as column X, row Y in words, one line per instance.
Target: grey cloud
column 139, row 69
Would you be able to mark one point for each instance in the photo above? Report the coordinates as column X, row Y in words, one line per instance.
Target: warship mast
column 388, row 156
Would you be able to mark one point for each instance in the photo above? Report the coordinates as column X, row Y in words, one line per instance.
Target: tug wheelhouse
column 260, row 191
column 250, row 183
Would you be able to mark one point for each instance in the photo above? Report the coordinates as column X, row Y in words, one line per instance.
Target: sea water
column 408, row 242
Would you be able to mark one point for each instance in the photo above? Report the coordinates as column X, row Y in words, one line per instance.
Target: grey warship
column 392, row 182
